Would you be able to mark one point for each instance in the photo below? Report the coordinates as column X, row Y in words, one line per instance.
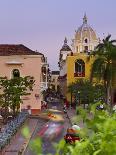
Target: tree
column 89, row 93
column 13, row 90
column 85, row 92
column 103, row 66
column 71, row 90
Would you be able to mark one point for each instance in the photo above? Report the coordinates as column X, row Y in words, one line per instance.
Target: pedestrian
column 64, row 109
column 45, row 104
column 66, row 103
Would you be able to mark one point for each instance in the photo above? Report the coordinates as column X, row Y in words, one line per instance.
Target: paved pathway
column 18, row 140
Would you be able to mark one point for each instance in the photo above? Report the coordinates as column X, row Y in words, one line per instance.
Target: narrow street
column 48, row 144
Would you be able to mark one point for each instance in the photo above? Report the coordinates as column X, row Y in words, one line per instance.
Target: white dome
column 85, row 31
column 85, row 38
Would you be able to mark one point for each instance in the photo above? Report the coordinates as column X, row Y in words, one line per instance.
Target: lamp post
column 78, row 97
column 111, row 84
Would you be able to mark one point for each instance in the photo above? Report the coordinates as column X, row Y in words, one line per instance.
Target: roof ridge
column 16, row 49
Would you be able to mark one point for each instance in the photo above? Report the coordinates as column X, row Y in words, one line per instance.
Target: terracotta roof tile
column 19, row 49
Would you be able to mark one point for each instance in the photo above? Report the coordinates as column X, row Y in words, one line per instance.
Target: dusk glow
column 43, row 24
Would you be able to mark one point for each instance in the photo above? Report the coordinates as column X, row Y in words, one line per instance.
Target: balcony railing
column 79, row 74
column 43, row 85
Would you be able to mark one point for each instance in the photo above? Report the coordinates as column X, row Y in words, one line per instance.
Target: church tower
column 65, row 50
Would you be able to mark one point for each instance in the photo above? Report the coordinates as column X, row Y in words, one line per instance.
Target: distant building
column 22, row 60
column 73, row 62
column 54, row 80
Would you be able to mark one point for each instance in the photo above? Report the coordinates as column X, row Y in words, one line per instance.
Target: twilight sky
column 43, row 24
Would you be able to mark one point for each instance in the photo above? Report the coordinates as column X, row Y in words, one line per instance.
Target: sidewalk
column 18, row 141
column 68, row 118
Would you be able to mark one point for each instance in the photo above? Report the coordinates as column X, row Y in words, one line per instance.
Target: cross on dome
column 65, row 40
column 85, row 19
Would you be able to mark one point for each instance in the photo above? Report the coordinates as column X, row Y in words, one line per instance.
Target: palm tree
column 103, row 66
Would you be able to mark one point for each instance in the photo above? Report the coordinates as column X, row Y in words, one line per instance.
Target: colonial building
column 73, row 62
column 21, row 61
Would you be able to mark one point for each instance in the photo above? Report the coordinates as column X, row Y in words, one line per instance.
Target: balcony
column 79, row 74
column 43, row 85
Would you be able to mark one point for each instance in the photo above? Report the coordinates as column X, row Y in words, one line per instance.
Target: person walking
column 66, row 103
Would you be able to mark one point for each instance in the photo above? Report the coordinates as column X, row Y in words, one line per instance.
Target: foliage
column 71, row 90
column 98, row 135
column 36, row 146
column 12, row 91
column 104, row 65
column 86, row 92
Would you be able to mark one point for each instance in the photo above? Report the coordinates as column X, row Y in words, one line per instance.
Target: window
column 79, row 68
column 15, row 73
column 86, row 41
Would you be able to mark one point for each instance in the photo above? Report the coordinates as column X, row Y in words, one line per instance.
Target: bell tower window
column 86, row 41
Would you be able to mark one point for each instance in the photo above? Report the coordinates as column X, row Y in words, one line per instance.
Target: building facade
column 54, row 84
column 22, row 60
column 73, row 62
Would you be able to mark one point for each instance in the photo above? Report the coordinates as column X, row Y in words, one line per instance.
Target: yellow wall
column 71, row 68
column 70, row 63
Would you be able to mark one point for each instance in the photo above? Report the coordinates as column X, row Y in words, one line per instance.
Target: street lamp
column 78, row 97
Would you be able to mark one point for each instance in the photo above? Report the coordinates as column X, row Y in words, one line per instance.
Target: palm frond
column 98, row 67
column 108, row 38
column 113, row 41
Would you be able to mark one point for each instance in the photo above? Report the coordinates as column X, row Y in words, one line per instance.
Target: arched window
column 79, row 68
column 15, row 73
